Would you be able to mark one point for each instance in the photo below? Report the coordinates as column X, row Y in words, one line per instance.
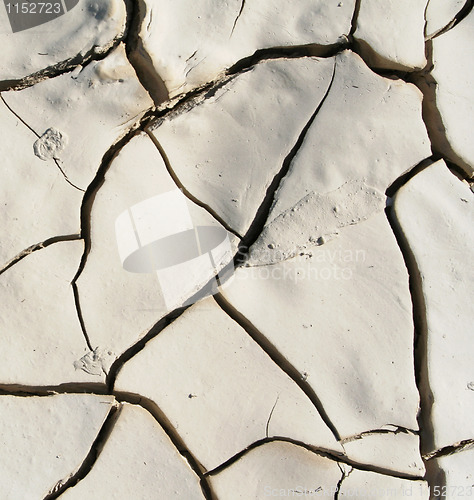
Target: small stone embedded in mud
column 49, row 144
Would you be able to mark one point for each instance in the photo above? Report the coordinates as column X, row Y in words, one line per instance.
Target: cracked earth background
column 332, row 141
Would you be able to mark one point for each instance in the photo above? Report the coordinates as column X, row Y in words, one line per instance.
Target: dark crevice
column 91, row 458
column 434, row 475
column 122, row 397
column 432, row 118
column 458, row 171
column 339, row 483
column 340, row 459
column 38, row 246
column 467, row 444
column 291, row 52
column 94, row 54
column 150, row 406
column 407, row 176
column 80, row 317
column 278, row 359
column 183, row 103
column 459, row 17
column 188, row 195
column 140, row 345
column 88, row 201
column 139, row 57
column 258, row 224
column 355, row 17
column 38, row 136
column 238, row 16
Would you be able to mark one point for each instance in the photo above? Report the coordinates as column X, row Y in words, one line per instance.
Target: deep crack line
column 261, row 217
column 339, row 459
column 355, row 17
column 459, row 17
column 278, row 359
column 155, row 411
column 88, row 201
column 121, row 397
column 183, row 189
column 138, row 56
column 92, row 456
column 465, row 445
column 68, row 65
column 434, row 475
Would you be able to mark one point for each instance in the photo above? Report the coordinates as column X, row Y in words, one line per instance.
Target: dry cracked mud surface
column 236, row 244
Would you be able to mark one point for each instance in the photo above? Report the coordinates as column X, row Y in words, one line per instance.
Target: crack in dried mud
column 462, row 14
column 189, row 195
column 242, row 5
column 278, row 359
column 258, row 224
column 38, row 246
column 91, row 458
column 464, row 445
column 38, row 136
column 434, row 475
column 340, row 459
column 63, row 67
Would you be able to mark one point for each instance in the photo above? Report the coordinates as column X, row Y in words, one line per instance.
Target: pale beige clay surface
column 236, row 250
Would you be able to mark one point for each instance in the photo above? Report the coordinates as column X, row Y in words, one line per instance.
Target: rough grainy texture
column 235, row 249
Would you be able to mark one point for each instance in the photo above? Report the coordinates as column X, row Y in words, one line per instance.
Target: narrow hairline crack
column 378, row 432
column 242, row 5
column 270, row 416
column 38, row 246
column 38, row 136
column 344, row 475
